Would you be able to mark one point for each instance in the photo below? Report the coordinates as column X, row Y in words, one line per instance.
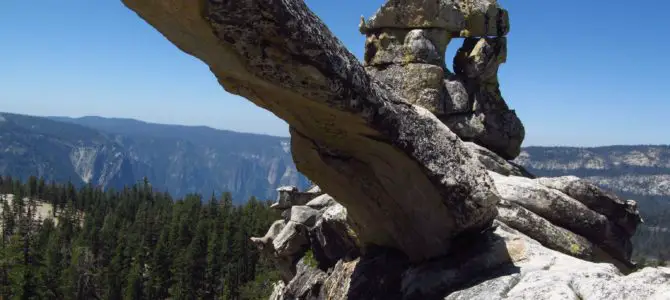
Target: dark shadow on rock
column 387, row 274
column 378, row 275
column 475, row 254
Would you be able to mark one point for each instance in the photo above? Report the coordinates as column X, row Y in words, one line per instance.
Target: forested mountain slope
column 118, row 152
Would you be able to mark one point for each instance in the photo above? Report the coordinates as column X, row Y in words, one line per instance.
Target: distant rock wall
column 112, row 153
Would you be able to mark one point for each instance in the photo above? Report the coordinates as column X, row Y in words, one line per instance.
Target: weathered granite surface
column 420, row 214
column 350, row 133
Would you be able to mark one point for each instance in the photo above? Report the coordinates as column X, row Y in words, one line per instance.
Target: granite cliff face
column 198, row 159
column 61, row 152
column 416, row 198
column 118, row 152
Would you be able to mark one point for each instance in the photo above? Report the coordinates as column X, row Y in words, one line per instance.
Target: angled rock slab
column 495, row 163
column 564, row 211
column 543, row 231
column 288, row 196
column 623, row 213
column 350, row 134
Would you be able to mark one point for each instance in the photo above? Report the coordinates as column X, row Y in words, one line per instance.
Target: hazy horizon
column 288, row 136
column 572, row 81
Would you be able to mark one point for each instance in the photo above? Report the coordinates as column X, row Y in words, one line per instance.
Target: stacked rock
column 312, row 221
column 405, row 48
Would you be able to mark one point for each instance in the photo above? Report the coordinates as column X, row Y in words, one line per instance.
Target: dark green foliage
column 130, row 244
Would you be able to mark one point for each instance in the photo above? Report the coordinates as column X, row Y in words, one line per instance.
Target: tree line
column 133, row 243
column 651, row 242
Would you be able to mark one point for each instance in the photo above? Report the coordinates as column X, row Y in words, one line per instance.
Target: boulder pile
column 417, row 198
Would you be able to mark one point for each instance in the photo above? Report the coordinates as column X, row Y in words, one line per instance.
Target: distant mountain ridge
column 196, row 159
column 115, row 152
column 641, row 170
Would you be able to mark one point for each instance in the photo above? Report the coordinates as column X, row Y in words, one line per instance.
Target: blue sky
column 578, row 73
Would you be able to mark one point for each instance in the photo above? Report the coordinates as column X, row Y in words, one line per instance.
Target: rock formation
column 405, row 48
column 350, row 133
column 428, row 205
column 319, row 225
column 501, row 263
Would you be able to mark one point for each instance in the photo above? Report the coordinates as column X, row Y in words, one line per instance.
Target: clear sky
column 578, row 72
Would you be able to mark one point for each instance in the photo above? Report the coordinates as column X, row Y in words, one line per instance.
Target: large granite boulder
column 350, row 133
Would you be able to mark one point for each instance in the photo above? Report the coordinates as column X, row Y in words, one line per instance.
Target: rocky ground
column 43, row 210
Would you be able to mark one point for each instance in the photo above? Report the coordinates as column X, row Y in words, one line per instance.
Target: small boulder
column 500, row 131
column 417, row 83
column 480, row 58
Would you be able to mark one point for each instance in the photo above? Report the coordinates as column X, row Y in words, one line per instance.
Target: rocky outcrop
column 485, row 118
column 623, row 213
column 405, row 48
column 502, row 263
column 567, row 212
column 416, row 209
column 350, row 134
column 319, row 226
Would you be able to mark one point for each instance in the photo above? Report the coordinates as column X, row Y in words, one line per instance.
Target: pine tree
column 53, row 267
column 135, row 282
column 79, row 278
column 117, row 270
column 160, row 279
column 213, row 276
column 16, row 267
column 8, row 220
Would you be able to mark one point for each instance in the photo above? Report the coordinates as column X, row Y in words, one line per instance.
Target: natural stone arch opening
column 455, row 44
